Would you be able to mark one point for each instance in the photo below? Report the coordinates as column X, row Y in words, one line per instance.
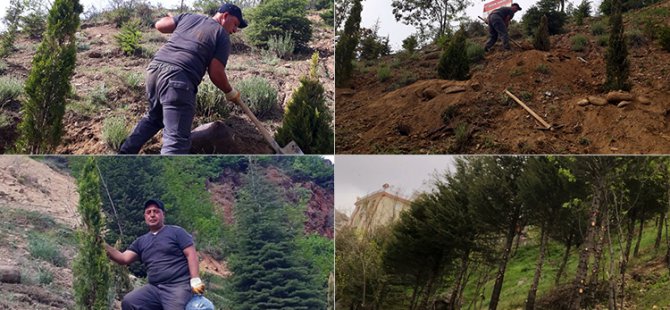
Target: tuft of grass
column 602, row 40
column 114, row 131
column 4, row 119
column 449, row 113
column 543, row 68
column 516, row 72
column 44, row 276
column 3, row 66
column 282, row 46
column 462, row 134
column 525, row 96
column 598, row 28
column 98, row 95
column 664, row 38
column 42, row 248
column 211, row 102
column 83, row 46
column 475, row 52
column 635, row 38
column 269, row 58
column 10, row 89
column 133, row 79
column 149, row 50
column 383, row 73
column 258, row 94
column 579, row 42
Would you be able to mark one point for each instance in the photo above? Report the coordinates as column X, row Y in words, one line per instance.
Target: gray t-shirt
column 504, row 12
column 163, row 254
column 196, row 40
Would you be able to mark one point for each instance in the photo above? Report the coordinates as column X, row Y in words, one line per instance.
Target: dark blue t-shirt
column 163, row 254
column 504, row 12
column 196, row 40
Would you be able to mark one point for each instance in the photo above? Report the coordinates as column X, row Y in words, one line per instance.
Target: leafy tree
column 267, row 272
column 12, row 18
column 410, row 43
column 454, row 62
column 556, row 18
column 616, row 57
column 346, row 47
column 91, row 267
column 372, row 46
column 307, row 119
column 279, row 18
column 431, row 17
column 49, row 80
column 541, row 41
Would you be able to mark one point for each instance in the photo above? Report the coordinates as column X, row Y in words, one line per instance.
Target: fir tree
column 616, row 57
column 307, row 119
column 48, row 84
column 454, row 63
column 541, row 41
column 12, row 18
column 346, row 47
column 91, row 268
column 268, row 273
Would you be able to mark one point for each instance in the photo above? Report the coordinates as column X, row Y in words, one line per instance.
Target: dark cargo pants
column 497, row 28
column 157, row 297
column 171, row 108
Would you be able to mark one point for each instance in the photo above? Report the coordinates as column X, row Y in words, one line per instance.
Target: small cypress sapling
column 454, row 63
column 307, row 119
column 346, row 47
column 616, row 57
column 541, row 41
column 91, row 268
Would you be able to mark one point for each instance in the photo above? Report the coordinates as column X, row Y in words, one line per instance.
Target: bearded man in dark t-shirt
column 198, row 44
column 169, row 255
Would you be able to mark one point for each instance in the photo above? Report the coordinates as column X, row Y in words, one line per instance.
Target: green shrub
column 98, row 95
column 282, row 46
column 664, row 38
column 475, row 52
column 443, row 40
column 383, row 73
column 582, row 11
column 372, row 46
column 42, row 248
column 34, row 24
column 10, row 89
column 579, row 43
column 307, row 118
column 114, row 131
column 454, row 63
column 410, row 43
column 515, row 31
column 328, row 16
column 129, row 38
column 543, row 68
column 120, row 15
column 258, row 94
column 635, row 38
column 602, row 40
column 475, row 29
column 45, row 276
column 211, row 102
column 278, row 18
column 598, row 28
column 556, row 18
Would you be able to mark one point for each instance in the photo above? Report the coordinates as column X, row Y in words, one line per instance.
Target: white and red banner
column 490, row 6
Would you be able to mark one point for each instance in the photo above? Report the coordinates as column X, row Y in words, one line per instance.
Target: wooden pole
column 537, row 117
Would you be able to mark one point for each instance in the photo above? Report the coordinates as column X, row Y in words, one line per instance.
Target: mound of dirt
column 441, row 116
column 30, row 185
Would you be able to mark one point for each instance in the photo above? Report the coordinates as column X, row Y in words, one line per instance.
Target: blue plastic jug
column 199, row 302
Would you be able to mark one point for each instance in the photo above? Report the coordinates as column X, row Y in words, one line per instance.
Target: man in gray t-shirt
column 169, row 254
column 498, row 23
column 198, row 44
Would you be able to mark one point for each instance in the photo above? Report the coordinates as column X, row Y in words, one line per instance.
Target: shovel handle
column 260, row 127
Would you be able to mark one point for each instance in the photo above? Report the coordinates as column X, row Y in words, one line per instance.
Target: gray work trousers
column 497, row 28
column 158, row 297
column 171, row 98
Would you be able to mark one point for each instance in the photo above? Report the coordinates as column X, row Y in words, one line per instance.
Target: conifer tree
column 616, row 57
column 12, row 18
column 346, row 47
column 307, row 119
column 48, row 84
column 267, row 273
column 454, row 63
column 91, row 268
column 541, row 41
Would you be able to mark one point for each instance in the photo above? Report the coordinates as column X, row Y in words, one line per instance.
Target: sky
column 357, row 176
column 397, row 31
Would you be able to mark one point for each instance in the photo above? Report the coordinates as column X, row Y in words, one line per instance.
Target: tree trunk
column 636, row 252
column 611, row 277
column 454, row 299
column 530, row 302
column 509, row 239
column 597, row 256
column 516, row 244
column 586, row 249
column 629, row 240
column 659, row 231
column 561, row 268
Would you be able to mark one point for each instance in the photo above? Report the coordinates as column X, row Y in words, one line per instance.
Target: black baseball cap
column 517, row 5
column 235, row 11
column 154, row 202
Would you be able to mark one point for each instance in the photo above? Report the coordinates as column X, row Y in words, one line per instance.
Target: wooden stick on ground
column 537, row 117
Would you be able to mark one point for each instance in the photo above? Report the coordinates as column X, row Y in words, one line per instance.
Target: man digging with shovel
column 498, row 22
column 198, row 43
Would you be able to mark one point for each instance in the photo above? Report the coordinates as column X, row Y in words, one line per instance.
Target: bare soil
column 103, row 63
column 392, row 117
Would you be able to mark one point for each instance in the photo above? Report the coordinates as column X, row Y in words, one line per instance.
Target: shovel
column 290, row 148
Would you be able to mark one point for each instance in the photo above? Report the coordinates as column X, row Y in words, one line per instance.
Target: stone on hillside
column 429, row 93
column 597, row 100
column 643, row 100
column 94, row 55
column 617, row 96
column 10, row 274
column 453, row 89
column 623, row 104
column 475, row 86
column 583, row 102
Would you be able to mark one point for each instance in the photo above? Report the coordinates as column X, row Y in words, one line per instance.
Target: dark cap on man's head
column 156, row 202
column 235, row 11
column 517, row 5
